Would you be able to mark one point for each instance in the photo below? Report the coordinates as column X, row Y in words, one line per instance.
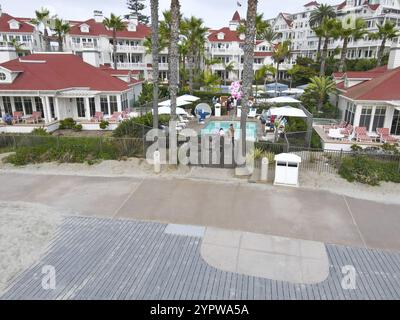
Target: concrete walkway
column 292, row 213
column 125, row 259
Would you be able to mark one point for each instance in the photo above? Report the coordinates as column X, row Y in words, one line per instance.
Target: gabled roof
column 342, row 5
column 262, row 54
column 230, row 35
column 97, row 29
column 59, row 71
column 370, row 74
column 311, row 4
column 385, row 87
column 236, row 16
column 5, row 26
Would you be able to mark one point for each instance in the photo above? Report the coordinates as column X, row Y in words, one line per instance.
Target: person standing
column 232, row 133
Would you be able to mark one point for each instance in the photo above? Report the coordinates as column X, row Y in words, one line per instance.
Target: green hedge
column 365, row 170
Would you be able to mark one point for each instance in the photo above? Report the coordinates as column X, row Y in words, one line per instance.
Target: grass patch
column 369, row 171
column 75, row 150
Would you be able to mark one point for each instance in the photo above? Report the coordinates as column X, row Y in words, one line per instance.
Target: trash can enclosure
column 217, row 111
column 287, row 169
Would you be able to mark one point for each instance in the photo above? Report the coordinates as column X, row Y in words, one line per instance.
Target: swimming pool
column 212, row 127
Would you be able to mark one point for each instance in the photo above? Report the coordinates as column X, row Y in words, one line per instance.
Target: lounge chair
column 347, row 131
column 116, row 117
column 361, row 134
column 17, row 116
column 385, row 136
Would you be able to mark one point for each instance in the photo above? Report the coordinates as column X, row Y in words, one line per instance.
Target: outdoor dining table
column 336, row 134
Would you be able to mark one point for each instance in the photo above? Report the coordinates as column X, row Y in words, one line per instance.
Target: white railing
column 163, row 66
column 84, row 45
column 9, row 46
column 228, row 51
column 128, row 48
column 131, row 65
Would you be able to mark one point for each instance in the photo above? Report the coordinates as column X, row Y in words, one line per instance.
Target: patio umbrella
column 189, row 98
column 179, row 103
column 167, row 110
column 293, row 91
column 282, row 100
column 287, row 112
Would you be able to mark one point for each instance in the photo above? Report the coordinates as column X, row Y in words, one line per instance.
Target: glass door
column 396, row 123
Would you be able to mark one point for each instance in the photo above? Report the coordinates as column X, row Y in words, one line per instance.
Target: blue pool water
column 212, row 127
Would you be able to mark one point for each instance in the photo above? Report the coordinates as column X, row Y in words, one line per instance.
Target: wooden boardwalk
column 121, row 259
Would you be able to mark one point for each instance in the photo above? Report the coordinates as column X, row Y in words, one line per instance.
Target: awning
column 287, row 112
column 282, row 100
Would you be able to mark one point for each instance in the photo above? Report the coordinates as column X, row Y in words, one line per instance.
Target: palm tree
column 195, row 33
column 210, row 81
column 17, row 46
column 386, row 31
column 248, row 72
column 174, row 56
column 62, row 29
column 42, row 19
column 324, row 11
column 320, row 88
column 262, row 74
column 271, row 36
column 154, row 53
column 228, row 68
column 261, row 26
column 328, row 29
column 346, row 32
column 115, row 24
column 280, row 53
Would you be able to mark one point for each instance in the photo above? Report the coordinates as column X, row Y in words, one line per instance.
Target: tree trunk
column 174, row 56
column 319, row 46
column 154, row 53
column 115, row 48
column 342, row 63
column 248, row 72
column 276, row 79
column 324, row 57
column 46, row 39
column 381, row 52
column 191, row 66
column 60, row 43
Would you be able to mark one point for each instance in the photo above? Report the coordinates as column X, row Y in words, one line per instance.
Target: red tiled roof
column 236, row 16
column 312, row 3
column 59, row 71
column 287, row 20
column 230, row 36
column 5, row 27
column 114, row 72
column 262, row 54
column 385, row 87
column 97, row 29
column 371, row 6
column 342, row 5
column 370, row 74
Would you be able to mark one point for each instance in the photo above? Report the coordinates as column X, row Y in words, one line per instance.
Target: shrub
column 369, row 171
column 39, row 132
column 67, row 123
column 136, row 127
column 77, row 127
column 104, row 124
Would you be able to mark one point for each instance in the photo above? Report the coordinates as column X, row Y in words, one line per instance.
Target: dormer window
column 14, row 24
column 84, row 28
column 221, row 36
column 3, row 76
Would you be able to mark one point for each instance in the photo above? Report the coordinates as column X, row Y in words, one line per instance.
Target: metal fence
column 320, row 160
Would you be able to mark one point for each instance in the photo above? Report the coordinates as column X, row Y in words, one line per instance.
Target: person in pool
column 221, row 132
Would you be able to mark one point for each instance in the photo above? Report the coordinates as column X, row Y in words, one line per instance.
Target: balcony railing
column 228, row 51
column 163, row 66
column 131, row 65
column 128, row 48
column 84, row 45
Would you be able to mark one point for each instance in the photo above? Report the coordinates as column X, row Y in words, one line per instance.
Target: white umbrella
column 293, row 91
column 282, row 100
column 287, row 112
column 167, row 110
column 188, row 97
column 179, row 103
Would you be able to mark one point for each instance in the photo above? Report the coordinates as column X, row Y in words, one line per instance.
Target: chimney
column 394, row 56
column 98, row 16
column 1, row 11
